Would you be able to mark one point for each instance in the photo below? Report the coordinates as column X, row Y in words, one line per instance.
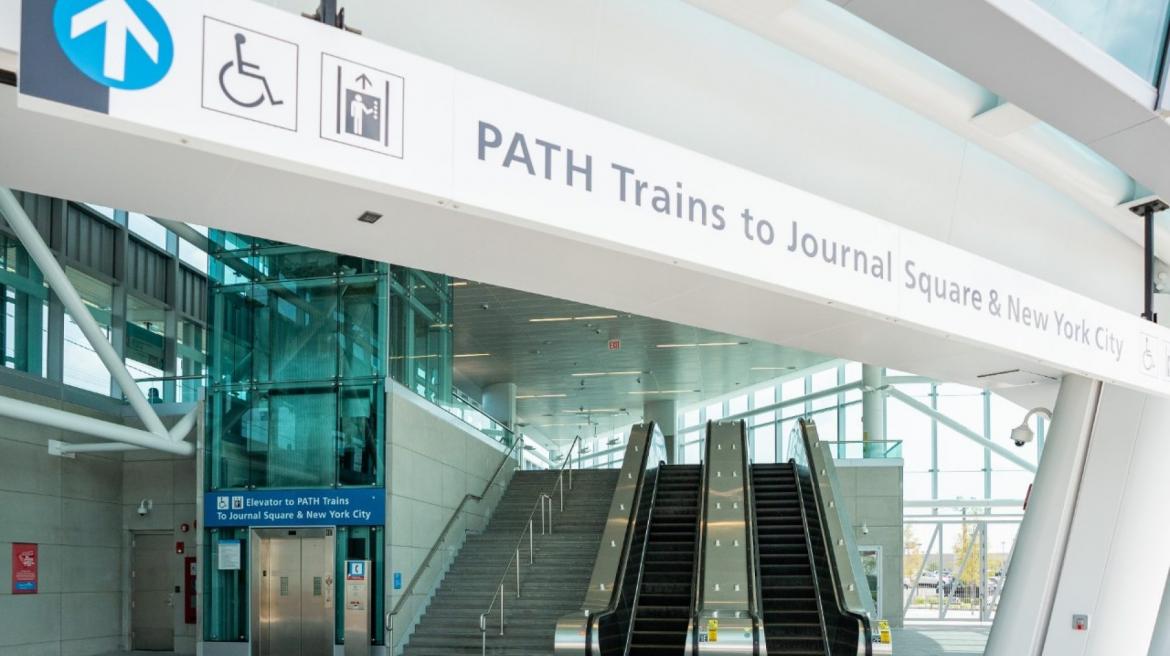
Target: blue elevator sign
column 341, row 507
column 123, row 44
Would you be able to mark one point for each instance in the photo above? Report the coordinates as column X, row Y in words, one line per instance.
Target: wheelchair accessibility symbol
column 249, row 74
column 245, row 69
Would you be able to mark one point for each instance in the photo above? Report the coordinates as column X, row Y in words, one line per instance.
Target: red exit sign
column 615, row 344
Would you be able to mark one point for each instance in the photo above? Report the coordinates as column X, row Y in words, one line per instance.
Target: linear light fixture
column 457, row 283
column 473, row 355
column 788, row 368
column 693, row 345
column 540, row 396
column 415, row 357
column 676, row 391
column 592, row 374
column 590, row 411
column 596, row 317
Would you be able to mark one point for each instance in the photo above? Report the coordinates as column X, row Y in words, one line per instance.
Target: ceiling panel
column 575, row 383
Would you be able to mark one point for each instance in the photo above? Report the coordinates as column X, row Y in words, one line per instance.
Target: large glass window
column 24, row 332
column 145, row 351
column 82, row 366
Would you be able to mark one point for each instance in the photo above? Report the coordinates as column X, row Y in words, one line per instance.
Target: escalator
column 662, row 607
column 792, row 621
column 805, row 605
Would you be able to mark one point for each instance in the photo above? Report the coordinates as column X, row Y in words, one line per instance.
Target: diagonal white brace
column 75, row 423
column 27, row 233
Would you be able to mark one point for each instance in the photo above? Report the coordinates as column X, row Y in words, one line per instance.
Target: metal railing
column 408, row 591
column 514, row 559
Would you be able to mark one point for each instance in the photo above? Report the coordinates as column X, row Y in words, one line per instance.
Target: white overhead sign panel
column 260, row 84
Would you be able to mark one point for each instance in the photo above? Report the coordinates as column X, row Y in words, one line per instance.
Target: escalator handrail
column 755, row 609
column 837, row 591
column 812, row 562
column 698, row 572
column 593, row 625
column 642, row 560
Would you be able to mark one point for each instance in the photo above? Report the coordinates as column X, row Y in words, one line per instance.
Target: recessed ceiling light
column 595, row 317
column 472, row 355
column 369, row 217
column 692, row 345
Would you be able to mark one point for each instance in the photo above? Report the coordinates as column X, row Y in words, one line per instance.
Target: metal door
column 152, row 601
column 292, row 592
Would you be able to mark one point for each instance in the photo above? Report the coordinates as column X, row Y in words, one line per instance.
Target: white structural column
column 873, row 409
column 55, row 276
column 1092, row 542
column 1160, row 644
column 1116, row 562
column 1020, row 620
column 664, row 413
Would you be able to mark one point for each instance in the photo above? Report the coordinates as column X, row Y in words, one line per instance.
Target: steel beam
column 960, row 428
column 54, row 418
column 55, row 276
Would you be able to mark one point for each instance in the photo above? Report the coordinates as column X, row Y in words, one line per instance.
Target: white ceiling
column 548, row 359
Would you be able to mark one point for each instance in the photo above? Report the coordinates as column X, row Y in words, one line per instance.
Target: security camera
column 1023, row 433
column 145, row 506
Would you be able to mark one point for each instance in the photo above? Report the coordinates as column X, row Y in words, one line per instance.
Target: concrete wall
column 871, row 490
column 72, row 508
column 81, row 513
column 169, row 482
column 435, row 459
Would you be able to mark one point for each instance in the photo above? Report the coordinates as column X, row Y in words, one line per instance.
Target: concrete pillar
column 873, row 410
column 499, row 401
column 1092, row 542
column 665, row 414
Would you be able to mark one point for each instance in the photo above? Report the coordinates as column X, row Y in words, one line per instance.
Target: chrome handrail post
column 517, row 572
column 482, row 634
column 501, row 609
column 529, row 540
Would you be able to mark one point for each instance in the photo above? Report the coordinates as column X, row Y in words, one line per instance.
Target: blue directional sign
column 340, row 507
column 124, row 44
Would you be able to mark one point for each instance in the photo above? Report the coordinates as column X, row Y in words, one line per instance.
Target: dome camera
column 1023, row 433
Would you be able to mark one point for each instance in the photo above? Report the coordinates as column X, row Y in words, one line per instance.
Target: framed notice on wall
column 24, row 568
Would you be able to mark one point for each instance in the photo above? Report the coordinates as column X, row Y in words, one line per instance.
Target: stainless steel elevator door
column 295, row 590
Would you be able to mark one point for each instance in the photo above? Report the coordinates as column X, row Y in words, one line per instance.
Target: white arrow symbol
column 121, row 23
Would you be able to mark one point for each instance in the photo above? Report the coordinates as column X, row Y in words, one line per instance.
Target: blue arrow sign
column 124, row 44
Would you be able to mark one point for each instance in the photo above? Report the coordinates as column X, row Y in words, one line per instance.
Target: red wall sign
column 24, row 568
column 615, row 344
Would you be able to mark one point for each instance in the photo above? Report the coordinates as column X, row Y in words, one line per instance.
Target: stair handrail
column 812, row 561
column 755, row 610
column 698, row 572
column 498, row 594
column 408, row 591
column 593, row 622
column 642, row 559
column 807, row 426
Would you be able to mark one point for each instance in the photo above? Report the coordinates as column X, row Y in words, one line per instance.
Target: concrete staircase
column 552, row 587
